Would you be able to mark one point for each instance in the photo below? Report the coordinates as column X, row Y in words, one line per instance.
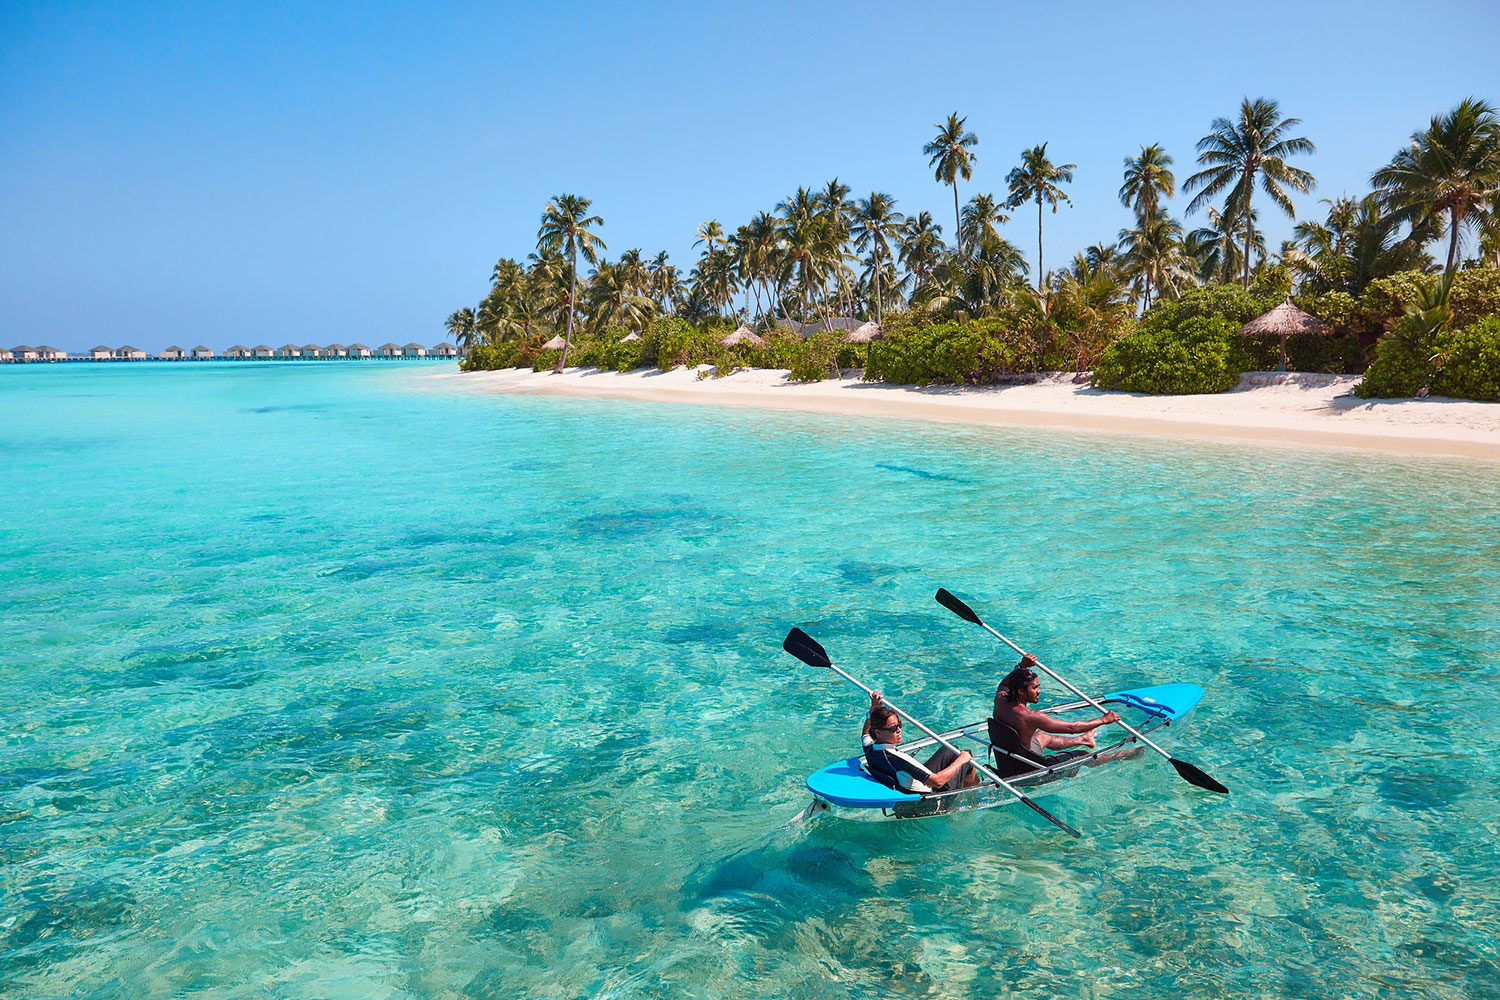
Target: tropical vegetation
column 1155, row 309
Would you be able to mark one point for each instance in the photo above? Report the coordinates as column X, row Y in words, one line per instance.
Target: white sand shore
column 1290, row 408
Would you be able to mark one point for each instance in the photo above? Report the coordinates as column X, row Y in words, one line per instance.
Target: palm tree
column 709, row 233
column 714, row 279
column 1452, row 170
column 921, row 248
column 1235, row 153
column 836, row 208
column 876, row 225
column 460, row 326
column 1357, row 243
column 1155, row 258
column 1038, row 178
column 1148, row 179
column 949, row 154
column 663, row 284
column 981, row 219
column 1216, row 249
column 614, row 299
column 565, row 229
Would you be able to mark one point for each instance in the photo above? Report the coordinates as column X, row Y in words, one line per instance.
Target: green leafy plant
column 1201, row 355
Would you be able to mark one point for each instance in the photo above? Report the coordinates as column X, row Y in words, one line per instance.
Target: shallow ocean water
column 334, row 681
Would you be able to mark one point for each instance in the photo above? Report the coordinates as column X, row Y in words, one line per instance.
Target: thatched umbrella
column 744, row 335
column 1284, row 319
column 632, row 335
column 865, row 334
column 555, row 344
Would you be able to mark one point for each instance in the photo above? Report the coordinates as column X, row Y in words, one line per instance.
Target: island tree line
column 969, row 292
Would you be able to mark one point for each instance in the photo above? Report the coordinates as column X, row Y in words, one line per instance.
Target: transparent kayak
column 1155, row 711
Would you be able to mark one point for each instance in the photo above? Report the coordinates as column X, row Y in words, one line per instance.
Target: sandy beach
column 1290, row 408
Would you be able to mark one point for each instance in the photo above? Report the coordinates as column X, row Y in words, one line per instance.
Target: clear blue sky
column 214, row 173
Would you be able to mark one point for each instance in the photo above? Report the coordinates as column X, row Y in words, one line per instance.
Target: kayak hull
column 1156, row 711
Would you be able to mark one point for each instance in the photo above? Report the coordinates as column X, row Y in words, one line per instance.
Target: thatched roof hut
column 555, row 344
column 744, row 335
column 1284, row 320
column 864, row 334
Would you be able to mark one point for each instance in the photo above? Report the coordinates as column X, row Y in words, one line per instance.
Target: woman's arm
column 941, row 778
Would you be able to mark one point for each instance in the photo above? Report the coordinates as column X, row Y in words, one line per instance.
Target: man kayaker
column 945, row 771
column 1027, row 733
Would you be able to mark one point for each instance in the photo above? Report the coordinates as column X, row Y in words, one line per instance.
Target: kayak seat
column 1011, row 758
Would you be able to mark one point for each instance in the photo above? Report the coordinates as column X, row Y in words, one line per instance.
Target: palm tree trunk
column 1249, row 237
column 1453, row 235
column 877, row 293
column 1039, row 269
column 958, row 229
column 562, row 362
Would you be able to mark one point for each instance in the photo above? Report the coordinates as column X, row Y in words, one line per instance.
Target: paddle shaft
column 977, row 766
column 1049, row 672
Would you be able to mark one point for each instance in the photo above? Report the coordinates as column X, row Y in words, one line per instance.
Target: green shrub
column 1226, row 302
column 1203, row 354
column 1384, row 300
column 674, row 341
column 816, row 358
column 962, row 352
column 1468, row 362
column 1339, row 310
column 546, row 361
column 489, row 357
column 1476, row 295
column 617, row 355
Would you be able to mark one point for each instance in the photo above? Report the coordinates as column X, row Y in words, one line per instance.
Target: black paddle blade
column 956, row 606
column 1194, row 775
column 805, row 648
column 1053, row 819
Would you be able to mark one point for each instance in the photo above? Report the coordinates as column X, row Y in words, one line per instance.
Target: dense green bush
column 1202, row 354
column 615, row 354
column 1340, row 310
column 1384, row 300
column 1468, row 362
column 1225, row 302
column 1476, row 295
column 488, row 357
column 962, row 352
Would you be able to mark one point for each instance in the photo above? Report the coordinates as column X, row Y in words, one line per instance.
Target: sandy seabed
column 1292, row 408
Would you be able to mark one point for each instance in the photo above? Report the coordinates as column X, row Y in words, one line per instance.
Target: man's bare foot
column 1087, row 739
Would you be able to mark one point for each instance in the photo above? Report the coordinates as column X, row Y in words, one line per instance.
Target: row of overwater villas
column 238, row 352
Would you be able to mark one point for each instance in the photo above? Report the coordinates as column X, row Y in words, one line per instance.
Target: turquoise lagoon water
column 334, row 681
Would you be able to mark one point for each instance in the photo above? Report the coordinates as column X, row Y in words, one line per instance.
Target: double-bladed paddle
column 1190, row 773
column 805, row 648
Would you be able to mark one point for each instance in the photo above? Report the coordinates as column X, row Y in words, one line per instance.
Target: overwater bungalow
column 239, row 352
column 45, row 353
column 173, row 353
column 5, row 354
column 391, row 350
column 414, row 351
column 335, row 351
column 444, row 350
column 102, row 354
column 201, row 353
column 312, row 351
column 128, row 353
column 289, row 351
column 358, row 351
column 23, row 353
column 263, row 351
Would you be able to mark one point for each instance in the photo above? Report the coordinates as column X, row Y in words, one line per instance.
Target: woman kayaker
column 945, row 771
